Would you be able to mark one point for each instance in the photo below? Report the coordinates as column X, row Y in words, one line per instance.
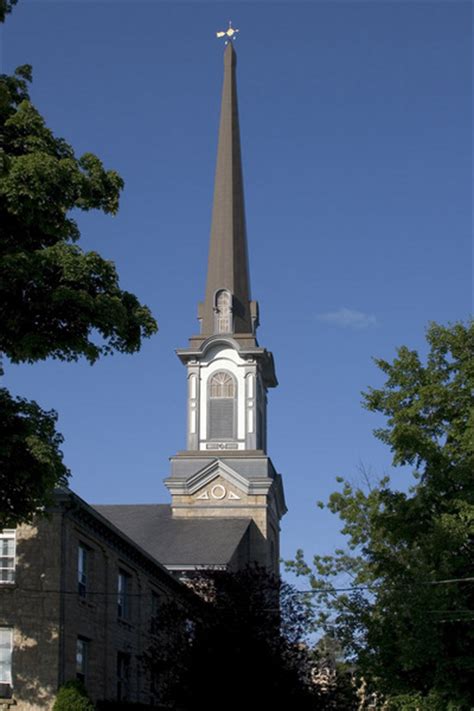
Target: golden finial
column 229, row 33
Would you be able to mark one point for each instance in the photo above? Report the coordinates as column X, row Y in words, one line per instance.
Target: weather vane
column 229, row 34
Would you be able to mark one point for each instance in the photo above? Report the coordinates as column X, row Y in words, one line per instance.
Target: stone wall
column 32, row 607
column 48, row 615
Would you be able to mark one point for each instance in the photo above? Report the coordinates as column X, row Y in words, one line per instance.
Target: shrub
column 127, row 706
column 73, row 697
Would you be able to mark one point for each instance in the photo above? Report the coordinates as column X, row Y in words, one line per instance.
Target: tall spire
column 228, row 259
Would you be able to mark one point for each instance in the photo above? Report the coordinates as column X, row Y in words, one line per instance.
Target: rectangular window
column 155, row 604
column 82, row 653
column 6, row 648
column 155, row 611
column 123, row 676
column 82, row 569
column 123, row 599
column 7, row 556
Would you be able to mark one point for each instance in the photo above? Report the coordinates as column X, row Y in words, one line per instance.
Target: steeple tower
column 225, row 471
column 228, row 280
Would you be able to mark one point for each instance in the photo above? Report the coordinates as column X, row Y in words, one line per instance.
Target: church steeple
column 225, row 471
column 227, row 307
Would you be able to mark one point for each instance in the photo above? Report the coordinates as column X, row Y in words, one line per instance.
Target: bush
column 73, row 697
column 126, row 706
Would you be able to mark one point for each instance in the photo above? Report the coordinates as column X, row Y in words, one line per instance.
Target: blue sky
column 356, row 127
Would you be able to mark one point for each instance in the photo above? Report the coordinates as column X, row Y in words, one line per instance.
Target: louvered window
column 223, row 312
column 222, row 392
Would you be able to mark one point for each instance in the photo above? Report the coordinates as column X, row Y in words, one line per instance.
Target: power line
column 320, row 591
column 357, row 588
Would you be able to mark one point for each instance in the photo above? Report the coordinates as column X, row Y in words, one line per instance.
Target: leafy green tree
column 30, row 460
column 56, row 301
column 408, row 618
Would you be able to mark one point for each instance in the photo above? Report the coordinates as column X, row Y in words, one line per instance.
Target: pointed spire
column 228, row 260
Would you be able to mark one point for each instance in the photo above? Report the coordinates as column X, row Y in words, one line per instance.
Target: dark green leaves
column 64, row 303
column 56, row 301
column 429, row 408
column 6, row 7
column 30, row 461
column 407, row 619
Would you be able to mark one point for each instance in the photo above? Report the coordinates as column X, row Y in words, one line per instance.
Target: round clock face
column 218, row 491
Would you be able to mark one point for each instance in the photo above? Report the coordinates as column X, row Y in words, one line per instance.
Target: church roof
column 228, row 258
column 177, row 542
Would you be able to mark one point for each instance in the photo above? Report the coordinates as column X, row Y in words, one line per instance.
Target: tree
column 245, row 641
column 333, row 676
column 56, row 301
column 408, row 619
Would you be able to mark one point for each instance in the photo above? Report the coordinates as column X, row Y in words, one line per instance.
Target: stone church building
column 78, row 589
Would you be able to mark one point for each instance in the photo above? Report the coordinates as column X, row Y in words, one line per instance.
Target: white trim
column 6, row 650
column 8, row 534
column 212, row 471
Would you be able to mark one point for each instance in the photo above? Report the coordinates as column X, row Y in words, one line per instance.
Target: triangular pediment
column 214, row 470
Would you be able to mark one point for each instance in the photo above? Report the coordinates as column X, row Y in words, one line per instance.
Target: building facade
column 77, row 598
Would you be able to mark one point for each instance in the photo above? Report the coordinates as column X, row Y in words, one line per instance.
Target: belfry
column 225, row 472
column 227, row 498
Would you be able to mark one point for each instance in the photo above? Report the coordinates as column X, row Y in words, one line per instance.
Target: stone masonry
column 48, row 615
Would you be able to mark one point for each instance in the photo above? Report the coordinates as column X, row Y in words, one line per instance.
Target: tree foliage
column 408, row 620
column 56, row 300
column 247, row 643
column 6, row 7
column 29, row 444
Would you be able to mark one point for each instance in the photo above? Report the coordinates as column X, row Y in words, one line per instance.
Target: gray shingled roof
column 177, row 542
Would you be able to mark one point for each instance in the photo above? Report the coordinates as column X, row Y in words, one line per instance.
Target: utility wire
column 357, row 588
column 13, row 587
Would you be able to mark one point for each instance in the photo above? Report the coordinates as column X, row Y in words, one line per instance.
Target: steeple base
column 241, row 485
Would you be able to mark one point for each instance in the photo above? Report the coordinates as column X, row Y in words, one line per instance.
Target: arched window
column 222, row 392
column 223, row 311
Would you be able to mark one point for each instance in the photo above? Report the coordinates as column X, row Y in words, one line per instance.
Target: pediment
column 217, row 470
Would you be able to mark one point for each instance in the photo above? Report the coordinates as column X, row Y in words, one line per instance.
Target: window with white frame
column 222, row 391
column 7, row 556
column 6, row 648
column 124, row 584
column 82, row 569
column 82, row 654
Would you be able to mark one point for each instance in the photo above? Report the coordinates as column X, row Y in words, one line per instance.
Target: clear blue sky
column 356, row 129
